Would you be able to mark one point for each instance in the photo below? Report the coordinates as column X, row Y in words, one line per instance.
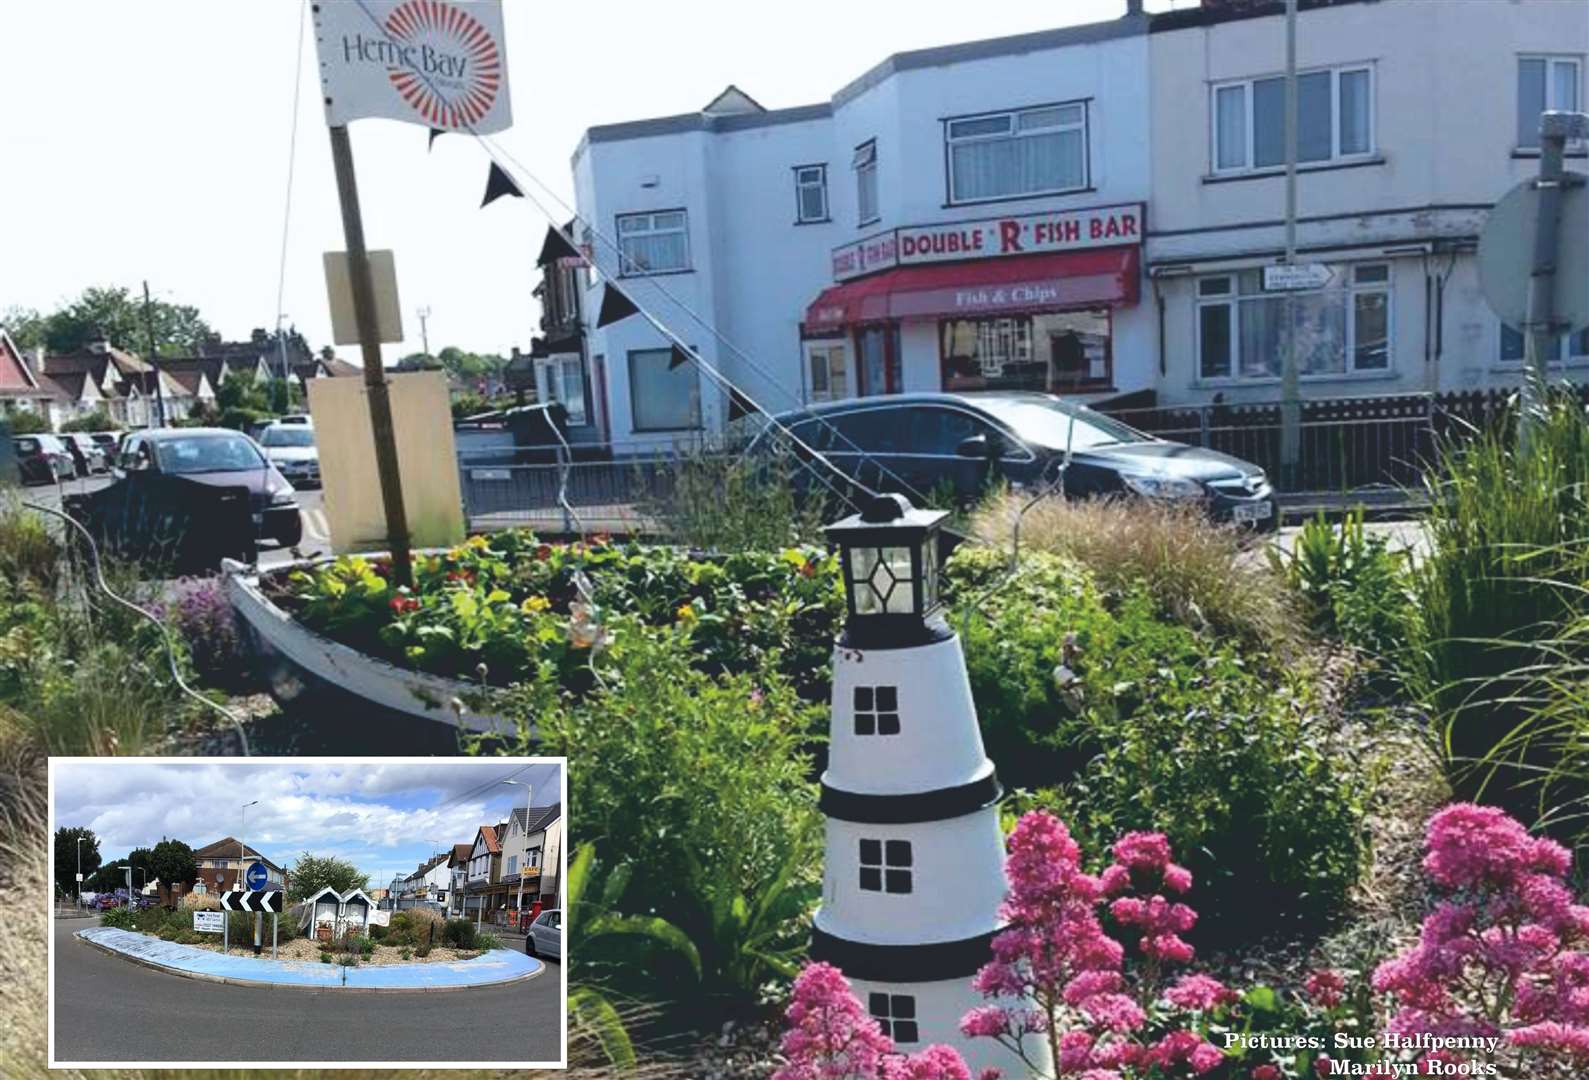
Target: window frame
column 699, row 404
column 869, row 167
column 825, row 347
column 1565, row 356
column 624, row 260
column 888, row 870
column 821, row 184
column 1232, row 299
column 1549, row 60
column 949, row 142
column 1337, row 157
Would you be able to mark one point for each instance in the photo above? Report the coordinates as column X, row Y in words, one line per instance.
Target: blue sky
column 383, row 817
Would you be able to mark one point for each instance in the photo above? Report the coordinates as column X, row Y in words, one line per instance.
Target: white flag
column 439, row 63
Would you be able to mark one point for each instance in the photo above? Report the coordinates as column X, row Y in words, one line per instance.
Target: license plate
column 1249, row 512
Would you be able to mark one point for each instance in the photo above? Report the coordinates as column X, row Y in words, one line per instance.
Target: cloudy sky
column 384, row 818
column 151, row 141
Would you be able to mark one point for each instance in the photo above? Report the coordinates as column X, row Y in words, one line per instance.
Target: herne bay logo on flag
column 440, row 63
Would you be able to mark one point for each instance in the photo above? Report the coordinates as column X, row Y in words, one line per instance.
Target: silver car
column 545, row 938
column 291, row 448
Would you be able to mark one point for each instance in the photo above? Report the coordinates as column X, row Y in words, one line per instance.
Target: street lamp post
column 242, row 860
column 79, row 871
column 519, row 904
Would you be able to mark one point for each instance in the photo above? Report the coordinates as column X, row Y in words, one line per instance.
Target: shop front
column 1014, row 303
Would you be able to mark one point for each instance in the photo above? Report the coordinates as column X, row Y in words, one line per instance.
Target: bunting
column 498, row 184
column 433, row 133
column 557, row 246
column 614, row 306
column 678, row 358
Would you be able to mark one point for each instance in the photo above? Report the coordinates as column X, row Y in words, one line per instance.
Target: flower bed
column 509, row 608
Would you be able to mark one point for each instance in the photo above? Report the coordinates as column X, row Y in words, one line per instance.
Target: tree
column 118, row 314
column 26, row 423
column 25, row 326
column 98, row 420
column 311, row 873
column 66, row 856
column 173, row 863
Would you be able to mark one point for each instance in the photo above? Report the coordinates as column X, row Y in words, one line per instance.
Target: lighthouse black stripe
column 938, row 805
column 903, row 963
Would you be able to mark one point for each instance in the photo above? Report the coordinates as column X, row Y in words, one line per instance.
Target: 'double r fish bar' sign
column 439, row 63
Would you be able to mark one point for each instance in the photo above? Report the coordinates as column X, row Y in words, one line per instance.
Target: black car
column 918, row 443
column 43, row 459
column 218, row 458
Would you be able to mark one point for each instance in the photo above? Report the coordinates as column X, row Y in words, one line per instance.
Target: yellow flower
column 686, row 614
column 533, row 604
column 477, row 541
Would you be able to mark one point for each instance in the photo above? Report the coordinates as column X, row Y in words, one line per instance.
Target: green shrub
column 379, row 932
column 718, row 501
column 459, row 934
column 422, row 952
column 1501, row 582
column 1125, row 721
column 407, row 954
column 120, row 918
column 325, row 958
column 1353, row 586
column 486, row 940
column 702, row 780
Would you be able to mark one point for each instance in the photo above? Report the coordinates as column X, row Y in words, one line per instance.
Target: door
column 934, row 462
column 877, row 352
column 827, row 371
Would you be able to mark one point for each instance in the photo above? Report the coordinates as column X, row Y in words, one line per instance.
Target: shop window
column 1051, row 353
column 1335, row 119
column 663, row 397
column 896, row 1015
column 653, row 243
column 1344, row 328
column 1573, row 348
column 865, row 165
column 828, row 366
column 1030, row 152
column 1545, row 82
column 811, row 194
column 877, row 710
column 886, row 866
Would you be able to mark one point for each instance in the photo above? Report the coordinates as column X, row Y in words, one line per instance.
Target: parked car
column 87, row 455
column 291, row 448
column 43, row 459
column 918, row 443
column 219, row 457
column 106, row 901
column 109, row 442
column 545, row 936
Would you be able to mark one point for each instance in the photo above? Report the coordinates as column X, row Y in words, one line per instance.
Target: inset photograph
column 307, row 911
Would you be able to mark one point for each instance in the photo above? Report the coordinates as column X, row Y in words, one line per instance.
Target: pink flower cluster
column 1055, row 952
column 1325, row 988
column 1503, row 954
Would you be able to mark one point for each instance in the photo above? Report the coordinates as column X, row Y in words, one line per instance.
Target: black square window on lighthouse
column 876, row 710
column 886, row 866
column 895, row 1014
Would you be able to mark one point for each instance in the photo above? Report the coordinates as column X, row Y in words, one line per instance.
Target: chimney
column 99, row 342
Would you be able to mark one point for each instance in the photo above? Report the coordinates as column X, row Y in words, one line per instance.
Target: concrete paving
column 108, row 1011
column 494, row 967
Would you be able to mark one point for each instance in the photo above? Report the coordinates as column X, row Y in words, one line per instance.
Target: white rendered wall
column 939, row 1007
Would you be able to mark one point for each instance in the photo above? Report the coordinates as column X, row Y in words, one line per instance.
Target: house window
column 533, row 859
column 663, row 397
column 828, row 365
column 896, row 1015
column 1574, row 348
column 1030, row 152
column 811, row 194
column 653, row 243
column 877, row 710
column 865, row 164
column 513, row 864
column 1335, row 119
column 562, row 379
column 886, row 866
column 1544, row 82
column 1341, row 329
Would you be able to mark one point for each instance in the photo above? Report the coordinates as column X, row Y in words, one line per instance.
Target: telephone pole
column 154, row 360
column 1290, row 395
column 424, row 336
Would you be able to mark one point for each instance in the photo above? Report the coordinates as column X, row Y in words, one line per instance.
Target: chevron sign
column 251, row 901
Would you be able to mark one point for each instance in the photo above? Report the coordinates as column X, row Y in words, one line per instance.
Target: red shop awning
column 1098, row 276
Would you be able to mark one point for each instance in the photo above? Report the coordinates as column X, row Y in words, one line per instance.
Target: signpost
column 209, row 922
column 256, row 901
column 1294, row 277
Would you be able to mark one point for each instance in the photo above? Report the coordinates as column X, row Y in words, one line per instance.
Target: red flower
column 808, row 569
column 601, row 539
column 402, row 605
column 543, row 552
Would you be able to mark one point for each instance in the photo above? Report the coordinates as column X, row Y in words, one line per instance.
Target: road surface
column 109, row 1010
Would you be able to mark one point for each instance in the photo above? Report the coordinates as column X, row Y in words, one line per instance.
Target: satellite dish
column 1506, row 256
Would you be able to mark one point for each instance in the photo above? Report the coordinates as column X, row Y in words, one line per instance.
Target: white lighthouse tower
column 915, row 857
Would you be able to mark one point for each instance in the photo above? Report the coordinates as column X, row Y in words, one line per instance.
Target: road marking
column 315, row 525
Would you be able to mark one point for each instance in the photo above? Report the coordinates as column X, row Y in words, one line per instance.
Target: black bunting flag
column 433, row 133
column 678, row 358
column 557, row 246
column 614, row 306
column 499, row 184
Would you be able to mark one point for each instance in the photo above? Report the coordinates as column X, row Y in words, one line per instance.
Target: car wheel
column 291, row 535
column 529, row 944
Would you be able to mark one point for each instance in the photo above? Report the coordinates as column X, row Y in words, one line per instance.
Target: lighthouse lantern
column 889, row 553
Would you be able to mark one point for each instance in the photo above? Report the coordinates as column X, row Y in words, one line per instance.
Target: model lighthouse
column 915, row 857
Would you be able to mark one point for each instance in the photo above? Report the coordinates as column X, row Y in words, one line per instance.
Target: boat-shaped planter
column 314, row 676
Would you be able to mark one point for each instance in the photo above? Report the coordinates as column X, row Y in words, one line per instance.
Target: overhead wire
column 292, row 159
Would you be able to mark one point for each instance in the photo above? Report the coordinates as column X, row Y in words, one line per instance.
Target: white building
column 962, row 217
column 531, row 848
column 1413, row 118
column 973, row 216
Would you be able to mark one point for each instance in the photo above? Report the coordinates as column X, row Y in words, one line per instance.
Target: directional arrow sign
column 256, row 878
column 251, row 901
column 1286, row 278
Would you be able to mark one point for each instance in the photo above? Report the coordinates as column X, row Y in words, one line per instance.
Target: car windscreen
column 1057, row 425
column 206, row 454
column 27, row 446
column 288, row 436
